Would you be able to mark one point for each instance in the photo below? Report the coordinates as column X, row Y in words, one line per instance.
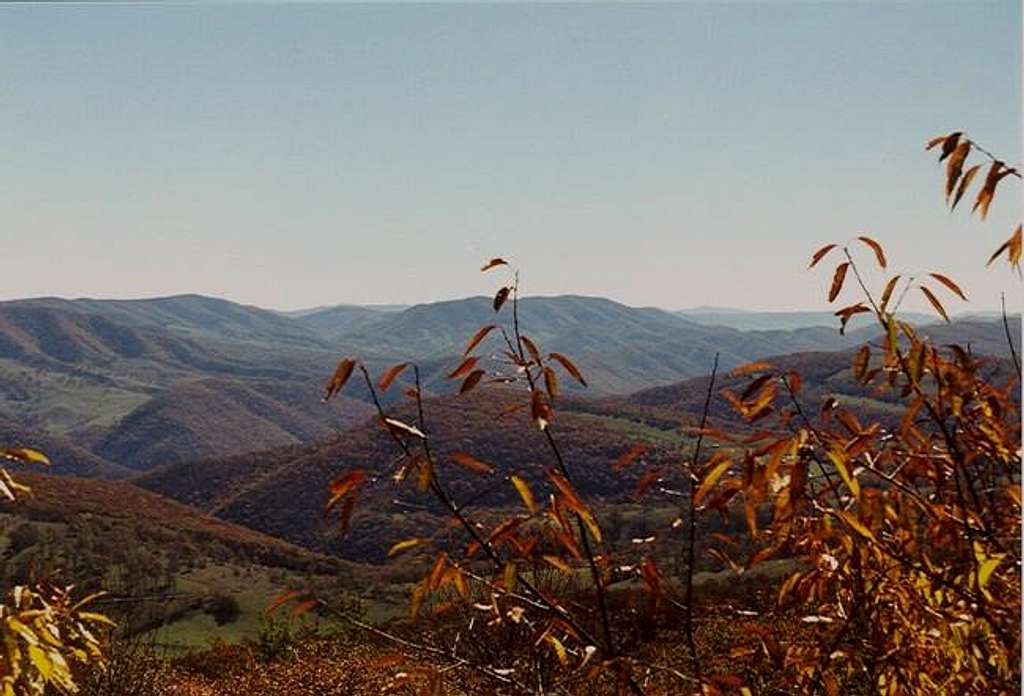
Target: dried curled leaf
column 399, row 428
column 875, row 247
column 338, row 379
column 837, row 280
column 500, row 297
column 496, row 261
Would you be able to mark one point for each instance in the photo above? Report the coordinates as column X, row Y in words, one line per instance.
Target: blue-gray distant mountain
column 140, row 383
column 756, row 321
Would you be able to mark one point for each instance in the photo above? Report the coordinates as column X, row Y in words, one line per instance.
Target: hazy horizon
column 658, row 155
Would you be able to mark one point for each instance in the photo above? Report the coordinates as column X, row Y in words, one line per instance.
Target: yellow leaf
column 857, row 525
column 24, row 454
column 710, row 479
column 525, row 493
column 559, row 563
column 986, row 568
column 403, row 546
column 839, row 461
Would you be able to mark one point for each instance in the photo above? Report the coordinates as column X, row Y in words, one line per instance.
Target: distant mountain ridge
column 143, row 383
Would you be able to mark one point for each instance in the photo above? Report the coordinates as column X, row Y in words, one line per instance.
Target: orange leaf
column 749, row 368
column 303, row 607
column 390, row 375
column 935, row 302
column 860, row 362
column 629, row 457
column 551, row 382
column 340, row 376
column 477, row 337
column 1013, row 248
column 569, row 367
column 968, row 177
column 875, row 247
column 283, row 599
column 955, row 166
column 949, row 284
column 344, row 485
column 471, row 463
column 837, row 280
column 887, row 293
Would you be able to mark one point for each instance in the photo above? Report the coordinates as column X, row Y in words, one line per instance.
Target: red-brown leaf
column 935, row 302
column 477, row 337
column 820, row 254
column 875, row 247
column 464, row 367
column 569, row 367
column 949, row 284
column 837, row 280
column 390, row 375
column 497, row 261
column 471, row 381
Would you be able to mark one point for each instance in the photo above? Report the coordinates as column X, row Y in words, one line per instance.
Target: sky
column 674, row 155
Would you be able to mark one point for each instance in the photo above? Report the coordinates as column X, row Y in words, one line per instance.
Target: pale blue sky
column 671, row 155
